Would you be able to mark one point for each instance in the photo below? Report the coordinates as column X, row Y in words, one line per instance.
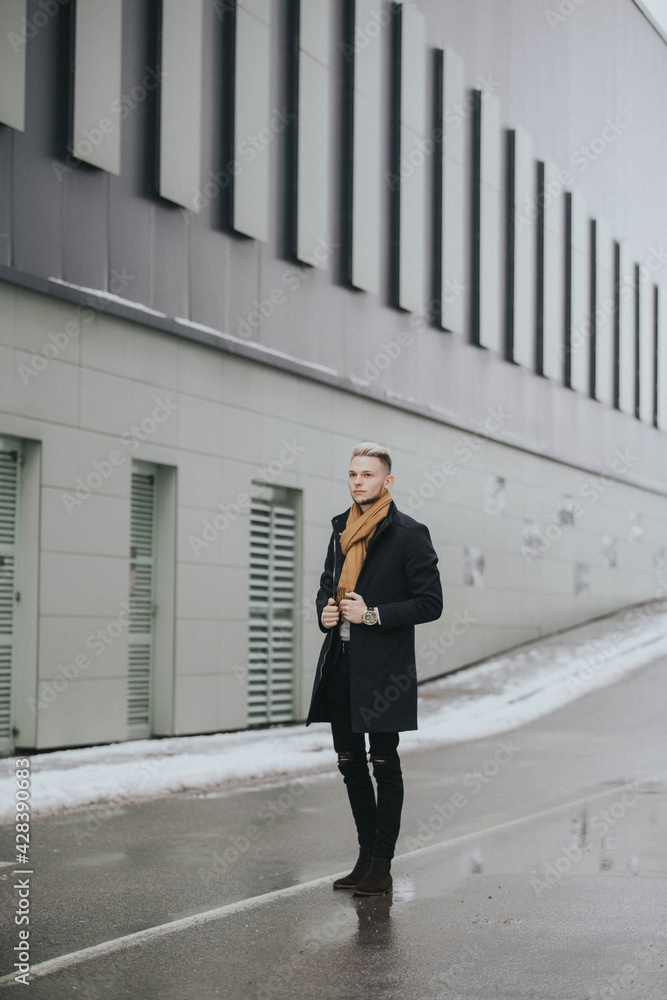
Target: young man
column 380, row 579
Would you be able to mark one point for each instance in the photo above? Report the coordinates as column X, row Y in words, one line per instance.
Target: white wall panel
column 12, row 63
column 491, row 224
column 580, row 341
column 313, row 132
column 554, row 273
column 604, row 313
column 626, row 354
column 97, row 83
column 367, row 184
column 413, row 161
column 454, row 257
column 646, row 347
column 524, row 251
column 180, row 102
column 252, row 118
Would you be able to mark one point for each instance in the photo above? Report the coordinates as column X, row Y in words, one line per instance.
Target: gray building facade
column 239, row 236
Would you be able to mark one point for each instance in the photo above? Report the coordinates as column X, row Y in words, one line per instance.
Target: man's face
column 368, row 479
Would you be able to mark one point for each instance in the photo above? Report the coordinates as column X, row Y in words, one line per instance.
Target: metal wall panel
column 579, row 294
column 413, row 161
column 454, row 270
column 524, row 231
column 661, row 360
column 367, row 184
column 271, row 639
column 646, row 347
column 554, row 274
column 142, row 601
column 10, row 462
column 97, row 83
column 313, row 133
column 12, row 63
column 490, row 224
column 180, row 102
column 604, row 313
column 627, row 359
column 252, row 118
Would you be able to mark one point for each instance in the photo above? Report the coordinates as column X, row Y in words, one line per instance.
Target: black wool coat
column 400, row 577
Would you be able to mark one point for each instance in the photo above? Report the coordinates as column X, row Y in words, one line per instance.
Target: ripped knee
column 347, row 760
column 383, row 763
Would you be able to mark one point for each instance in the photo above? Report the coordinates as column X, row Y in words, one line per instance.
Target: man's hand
column 330, row 614
column 353, row 609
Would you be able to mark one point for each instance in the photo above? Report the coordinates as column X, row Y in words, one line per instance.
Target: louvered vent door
column 142, row 573
column 271, row 641
column 9, row 486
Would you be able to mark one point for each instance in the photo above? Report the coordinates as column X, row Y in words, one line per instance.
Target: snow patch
column 261, row 348
column 99, row 293
column 493, row 697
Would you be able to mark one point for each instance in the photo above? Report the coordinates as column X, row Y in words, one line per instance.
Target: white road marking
column 173, row 926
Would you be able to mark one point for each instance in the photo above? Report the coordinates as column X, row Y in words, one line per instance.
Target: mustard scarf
column 354, row 541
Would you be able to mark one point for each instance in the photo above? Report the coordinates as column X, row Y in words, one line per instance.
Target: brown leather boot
column 377, row 881
column 363, row 861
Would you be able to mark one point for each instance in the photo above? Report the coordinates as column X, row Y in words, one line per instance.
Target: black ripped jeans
column 378, row 822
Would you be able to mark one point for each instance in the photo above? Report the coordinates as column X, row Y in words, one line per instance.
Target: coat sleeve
column 421, row 568
column 326, row 584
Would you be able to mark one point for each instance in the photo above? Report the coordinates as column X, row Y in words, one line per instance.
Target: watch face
column 370, row 616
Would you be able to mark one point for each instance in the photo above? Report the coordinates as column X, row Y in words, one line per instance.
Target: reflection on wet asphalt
column 534, row 873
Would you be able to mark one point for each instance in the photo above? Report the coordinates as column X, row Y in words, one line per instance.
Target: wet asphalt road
column 530, row 865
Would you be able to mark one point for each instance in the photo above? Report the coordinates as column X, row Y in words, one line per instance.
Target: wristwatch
column 370, row 616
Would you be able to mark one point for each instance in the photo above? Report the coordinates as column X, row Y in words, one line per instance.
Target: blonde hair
column 375, row 450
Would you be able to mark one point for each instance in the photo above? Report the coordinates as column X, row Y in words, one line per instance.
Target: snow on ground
column 494, row 696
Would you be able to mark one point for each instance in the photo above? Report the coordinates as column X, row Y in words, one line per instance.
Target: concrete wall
column 217, row 422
